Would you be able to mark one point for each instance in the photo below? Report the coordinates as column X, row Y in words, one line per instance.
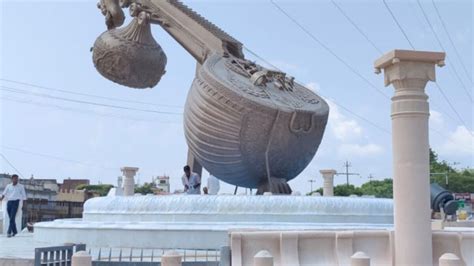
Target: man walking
column 14, row 192
column 191, row 181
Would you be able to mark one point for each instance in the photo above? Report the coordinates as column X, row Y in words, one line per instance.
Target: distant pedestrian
column 14, row 192
column 191, row 181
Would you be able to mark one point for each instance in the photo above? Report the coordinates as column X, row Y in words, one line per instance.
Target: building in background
column 44, row 189
column 49, row 200
column 162, row 183
column 68, row 190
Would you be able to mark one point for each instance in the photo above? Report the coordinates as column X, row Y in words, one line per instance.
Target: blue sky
column 47, row 43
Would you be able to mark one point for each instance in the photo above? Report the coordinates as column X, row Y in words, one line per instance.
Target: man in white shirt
column 191, row 181
column 14, row 192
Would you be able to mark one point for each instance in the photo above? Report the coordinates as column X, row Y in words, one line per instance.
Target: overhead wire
column 340, row 59
column 451, row 41
column 398, row 24
column 88, row 95
column 450, row 65
column 87, row 112
column 356, row 26
column 452, row 107
column 11, row 165
column 319, row 42
column 437, row 85
column 56, row 157
column 20, row 91
column 373, row 44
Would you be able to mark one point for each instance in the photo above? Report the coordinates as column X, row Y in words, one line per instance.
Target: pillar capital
column 129, row 171
column 409, row 69
column 328, row 172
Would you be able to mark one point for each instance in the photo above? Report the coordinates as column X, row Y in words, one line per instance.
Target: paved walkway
column 22, row 246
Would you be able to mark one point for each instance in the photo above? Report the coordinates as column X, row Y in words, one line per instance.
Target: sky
column 54, row 133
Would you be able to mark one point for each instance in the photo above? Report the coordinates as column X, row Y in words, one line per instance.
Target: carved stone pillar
column 129, row 181
column 409, row 72
column 328, row 185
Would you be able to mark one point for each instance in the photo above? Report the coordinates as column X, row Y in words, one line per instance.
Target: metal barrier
column 139, row 257
column 128, row 263
column 56, row 256
column 61, row 255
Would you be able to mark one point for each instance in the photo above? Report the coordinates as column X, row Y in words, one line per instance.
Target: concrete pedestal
column 408, row 72
column 360, row 259
column 263, row 258
column 129, row 181
column 81, row 258
column 171, row 258
column 449, row 259
column 328, row 185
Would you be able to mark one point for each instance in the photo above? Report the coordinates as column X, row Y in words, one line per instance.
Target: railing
column 132, row 257
column 61, row 255
column 56, row 256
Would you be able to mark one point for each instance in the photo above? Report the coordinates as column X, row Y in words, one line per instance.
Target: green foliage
column 102, row 189
column 319, row 190
column 147, row 188
column 341, row 190
column 458, row 181
column 346, row 190
column 378, row 188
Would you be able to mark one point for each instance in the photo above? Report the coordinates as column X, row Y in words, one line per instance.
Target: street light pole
column 312, row 181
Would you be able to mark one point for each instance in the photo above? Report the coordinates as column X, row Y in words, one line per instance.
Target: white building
column 162, row 183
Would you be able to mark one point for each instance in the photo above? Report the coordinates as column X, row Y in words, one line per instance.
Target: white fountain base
column 204, row 222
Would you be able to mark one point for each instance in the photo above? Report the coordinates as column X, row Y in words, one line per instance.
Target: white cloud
column 351, row 140
column 343, row 128
column 362, row 150
column 459, row 142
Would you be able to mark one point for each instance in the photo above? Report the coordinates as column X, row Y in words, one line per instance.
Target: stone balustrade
column 358, row 248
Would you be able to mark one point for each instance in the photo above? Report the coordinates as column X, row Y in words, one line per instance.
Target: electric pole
column 347, row 174
column 312, row 181
column 370, row 177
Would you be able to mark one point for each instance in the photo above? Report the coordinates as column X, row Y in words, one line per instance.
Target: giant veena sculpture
column 247, row 125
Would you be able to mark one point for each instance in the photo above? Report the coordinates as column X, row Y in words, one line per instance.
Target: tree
column 102, row 189
column 459, row 181
column 319, row 190
column 378, row 188
column 346, row 190
column 147, row 188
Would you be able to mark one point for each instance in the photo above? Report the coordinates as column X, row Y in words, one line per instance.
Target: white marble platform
column 185, row 221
